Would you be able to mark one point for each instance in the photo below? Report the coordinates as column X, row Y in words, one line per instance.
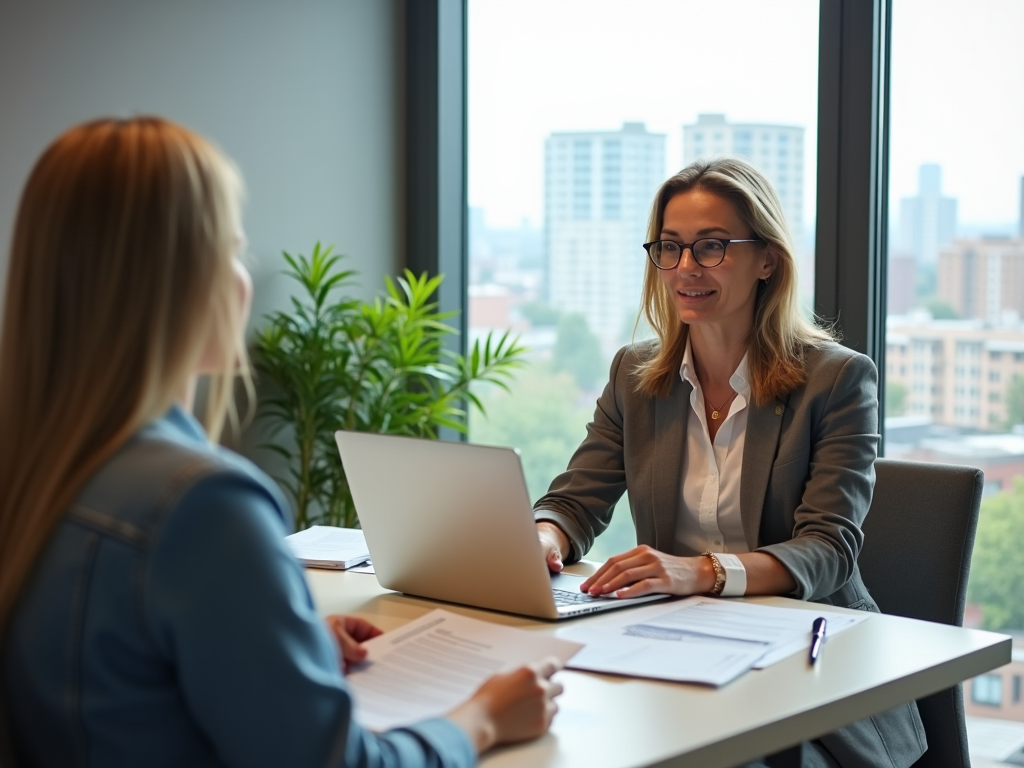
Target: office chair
column 919, row 534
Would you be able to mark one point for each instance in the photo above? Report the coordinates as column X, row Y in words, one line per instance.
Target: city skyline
column 577, row 82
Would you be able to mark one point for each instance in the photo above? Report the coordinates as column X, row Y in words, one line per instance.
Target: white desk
column 610, row 722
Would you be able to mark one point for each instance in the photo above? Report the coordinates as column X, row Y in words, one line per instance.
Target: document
column 431, row 665
column 325, row 546
column 697, row 640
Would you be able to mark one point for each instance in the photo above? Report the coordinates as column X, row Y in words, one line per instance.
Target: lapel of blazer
column 764, row 425
column 671, row 415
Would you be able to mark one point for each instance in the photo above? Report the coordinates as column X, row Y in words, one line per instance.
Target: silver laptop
column 453, row 522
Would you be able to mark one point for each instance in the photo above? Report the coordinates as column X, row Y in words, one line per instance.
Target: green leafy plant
column 334, row 362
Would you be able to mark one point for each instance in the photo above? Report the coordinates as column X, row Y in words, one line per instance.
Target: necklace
column 716, row 412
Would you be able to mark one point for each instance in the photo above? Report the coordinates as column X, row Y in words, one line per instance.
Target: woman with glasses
column 150, row 611
column 743, row 433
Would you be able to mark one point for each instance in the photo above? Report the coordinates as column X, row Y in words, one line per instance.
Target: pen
column 817, row 638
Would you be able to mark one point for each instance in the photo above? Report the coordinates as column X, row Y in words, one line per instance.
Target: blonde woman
column 745, row 435
column 150, row 613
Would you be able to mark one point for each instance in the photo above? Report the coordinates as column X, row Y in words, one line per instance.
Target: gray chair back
column 918, row 538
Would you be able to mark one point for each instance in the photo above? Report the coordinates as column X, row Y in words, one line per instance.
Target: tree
column 539, row 314
column 541, row 417
column 997, row 569
column 544, row 419
column 1015, row 401
column 941, row 310
column 578, row 352
column 895, row 398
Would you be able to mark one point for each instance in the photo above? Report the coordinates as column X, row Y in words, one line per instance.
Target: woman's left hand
column 351, row 632
column 643, row 570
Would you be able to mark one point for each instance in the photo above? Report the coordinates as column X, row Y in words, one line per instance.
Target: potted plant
column 333, row 362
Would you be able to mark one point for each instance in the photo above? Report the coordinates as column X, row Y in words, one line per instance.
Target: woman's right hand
column 554, row 543
column 510, row 707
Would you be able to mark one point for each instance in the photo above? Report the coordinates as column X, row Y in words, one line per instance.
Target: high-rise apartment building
column 982, row 278
column 927, row 220
column 775, row 150
column 598, row 190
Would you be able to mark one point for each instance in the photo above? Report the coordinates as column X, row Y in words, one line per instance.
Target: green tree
column 895, row 398
column 941, row 310
column 539, row 314
column 997, row 569
column 578, row 352
column 543, row 417
column 1015, row 401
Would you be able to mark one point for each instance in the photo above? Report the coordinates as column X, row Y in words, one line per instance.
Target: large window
column 955, row 336
column 576, row 113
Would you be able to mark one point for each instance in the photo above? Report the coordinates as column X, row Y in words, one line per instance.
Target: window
column 570, row 273
column 954, row 253
column 987, row 690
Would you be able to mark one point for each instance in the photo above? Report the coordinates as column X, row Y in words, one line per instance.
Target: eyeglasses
column 708, row 251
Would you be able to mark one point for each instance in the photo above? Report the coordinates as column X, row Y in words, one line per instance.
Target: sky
column 537, row 66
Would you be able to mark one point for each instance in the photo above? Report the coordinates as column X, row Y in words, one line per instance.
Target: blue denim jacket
column 167, row 624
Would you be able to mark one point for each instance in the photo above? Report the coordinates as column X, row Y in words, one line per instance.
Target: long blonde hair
column 120, row 273
column 781, row 334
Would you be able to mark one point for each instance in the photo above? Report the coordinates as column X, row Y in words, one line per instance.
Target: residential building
column 928, row 219
column 954, row 372
column 775, row 150
column 598, row 190
column 982, row 278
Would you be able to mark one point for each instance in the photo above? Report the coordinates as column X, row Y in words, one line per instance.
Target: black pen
column 817, row 638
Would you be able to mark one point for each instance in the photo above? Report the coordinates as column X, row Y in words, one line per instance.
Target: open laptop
column 453, row 522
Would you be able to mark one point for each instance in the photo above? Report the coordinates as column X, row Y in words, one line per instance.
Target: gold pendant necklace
column 715, row 412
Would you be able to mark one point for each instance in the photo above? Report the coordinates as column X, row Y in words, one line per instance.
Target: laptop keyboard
column 565, row 597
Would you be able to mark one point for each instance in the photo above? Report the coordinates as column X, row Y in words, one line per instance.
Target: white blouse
column 709, row 517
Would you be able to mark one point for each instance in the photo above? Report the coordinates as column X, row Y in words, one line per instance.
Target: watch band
column 735, row 575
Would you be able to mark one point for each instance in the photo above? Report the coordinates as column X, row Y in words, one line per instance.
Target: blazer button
column 778, row 410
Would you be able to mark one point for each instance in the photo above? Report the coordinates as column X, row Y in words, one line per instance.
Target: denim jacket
column 167, row 624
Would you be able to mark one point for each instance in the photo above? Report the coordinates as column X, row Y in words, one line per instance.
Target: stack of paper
column 697, row 640
column 431, row 665
column 324, row 546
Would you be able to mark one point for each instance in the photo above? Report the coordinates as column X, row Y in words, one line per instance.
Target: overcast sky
column 537, row 66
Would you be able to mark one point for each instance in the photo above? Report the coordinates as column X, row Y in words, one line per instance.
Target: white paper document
column 325, row 546
column 697, row 640
column 433, row 664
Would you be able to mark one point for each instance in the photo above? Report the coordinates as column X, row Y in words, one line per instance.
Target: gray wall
column 305, row 95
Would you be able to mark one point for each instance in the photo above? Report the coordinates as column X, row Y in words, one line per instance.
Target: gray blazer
column 808, row 475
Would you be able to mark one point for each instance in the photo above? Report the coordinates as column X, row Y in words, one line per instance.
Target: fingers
column 622, row 570
column 642, row 587
column 350, row 632
column 546, row 667
column 554, row 562
column 518, row 705
column 359, row 628
column 551, row 542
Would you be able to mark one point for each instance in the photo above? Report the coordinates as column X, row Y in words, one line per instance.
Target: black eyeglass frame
column 683, row 246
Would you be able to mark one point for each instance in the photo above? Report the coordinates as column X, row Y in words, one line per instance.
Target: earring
column 765, row 281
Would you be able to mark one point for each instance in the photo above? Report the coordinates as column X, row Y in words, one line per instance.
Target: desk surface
column 613, row 722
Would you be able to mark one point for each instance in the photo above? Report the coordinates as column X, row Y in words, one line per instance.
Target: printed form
column 430, row 666
column 698, row 640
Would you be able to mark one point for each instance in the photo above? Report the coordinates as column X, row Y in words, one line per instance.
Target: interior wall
column 306, row 97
